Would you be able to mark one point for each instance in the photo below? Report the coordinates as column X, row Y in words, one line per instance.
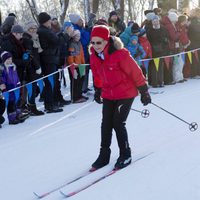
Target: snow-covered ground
column 47, row 151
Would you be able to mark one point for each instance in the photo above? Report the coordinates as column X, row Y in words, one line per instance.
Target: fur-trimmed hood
column 115, row 44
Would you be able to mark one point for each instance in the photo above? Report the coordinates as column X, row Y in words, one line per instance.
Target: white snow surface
column 47, row 151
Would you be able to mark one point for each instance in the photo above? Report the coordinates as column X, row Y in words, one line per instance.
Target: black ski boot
column 35, row 111
column 124, row 159
column 102, row 160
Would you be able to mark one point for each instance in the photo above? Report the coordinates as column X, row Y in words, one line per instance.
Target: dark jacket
column 33, row 56
column 119, row 26
column 159, row 41
column 194, row 33
column 63, row 48
column 16, row 48
column 50, row 44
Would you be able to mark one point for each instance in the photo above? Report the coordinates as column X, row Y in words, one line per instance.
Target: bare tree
column 95, row 6
column 86, row 9
column 64, row 6
column 167, row 4
column 130, row 13
column 33, row 8
column 183, row 5
column 151, row 4
column 119, row 6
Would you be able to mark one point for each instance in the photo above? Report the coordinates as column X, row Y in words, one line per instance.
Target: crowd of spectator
column 34, row 50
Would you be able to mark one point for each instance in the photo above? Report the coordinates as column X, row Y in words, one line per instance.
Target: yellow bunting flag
column 156, row 61
column 190, row 56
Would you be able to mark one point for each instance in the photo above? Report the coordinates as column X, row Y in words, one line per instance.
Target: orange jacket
column 74, row 57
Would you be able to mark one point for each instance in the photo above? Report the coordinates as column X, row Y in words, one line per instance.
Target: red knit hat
column 101, row 31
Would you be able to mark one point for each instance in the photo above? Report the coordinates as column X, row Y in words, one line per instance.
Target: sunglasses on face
column 96, row 43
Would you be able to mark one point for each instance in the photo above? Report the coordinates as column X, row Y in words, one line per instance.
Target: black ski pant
column 115, row 113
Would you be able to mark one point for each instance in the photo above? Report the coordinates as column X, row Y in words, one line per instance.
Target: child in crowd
column 144, row 42
column 136, row 50
column 76, row 56
column 10, row 80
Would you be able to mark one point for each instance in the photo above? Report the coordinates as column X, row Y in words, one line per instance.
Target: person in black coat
column 49, row 59
column 115, row 22
column 32, row 45
column 63, row 53
column 159, row 40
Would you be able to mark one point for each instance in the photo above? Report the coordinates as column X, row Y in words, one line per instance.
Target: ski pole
column 192, row 126
column 144, row 113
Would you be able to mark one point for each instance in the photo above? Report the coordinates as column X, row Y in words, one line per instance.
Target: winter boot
column 124, row 159
column 22, row 116
column 53, row 109
column 12, row 118
column 35, row 111
column 102, row 160
column 2, row 119
column 63, row 102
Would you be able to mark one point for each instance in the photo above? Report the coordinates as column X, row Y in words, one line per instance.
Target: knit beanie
column 113, row 13
column 173, row 17
column 74, row 18
column 148, row 11
column 101, row 21
column 135, row 28
column 101, row 31
column 29, row 25
column 134, row 37
column 12, row 14
column 150, row 16
column 10, row 20
column 17, row 29
column 5, row 55
column 43, row 17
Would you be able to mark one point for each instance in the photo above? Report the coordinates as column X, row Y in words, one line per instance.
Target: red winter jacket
column 118, row 74
column 182, row 29
column 174, row 35
column 144, row 42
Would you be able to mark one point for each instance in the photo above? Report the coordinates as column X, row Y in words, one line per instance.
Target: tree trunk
column 119, row 6
column 64, row 5
column 183, row 5
column 122, row 9
column 95, row 6
column 86, row 9
column 151, row 4
column 166, row 5
column 130, row 10
column 34, row 9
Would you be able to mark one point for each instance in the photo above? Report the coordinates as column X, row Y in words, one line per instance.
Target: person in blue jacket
column 136, row 50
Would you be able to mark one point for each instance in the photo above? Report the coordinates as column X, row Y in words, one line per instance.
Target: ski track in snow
column 60, row 146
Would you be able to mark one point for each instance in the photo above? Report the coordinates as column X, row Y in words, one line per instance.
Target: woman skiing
column 117, row 79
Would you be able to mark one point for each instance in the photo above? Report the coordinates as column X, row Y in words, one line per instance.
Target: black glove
column 145, row 96
column 97, row 95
